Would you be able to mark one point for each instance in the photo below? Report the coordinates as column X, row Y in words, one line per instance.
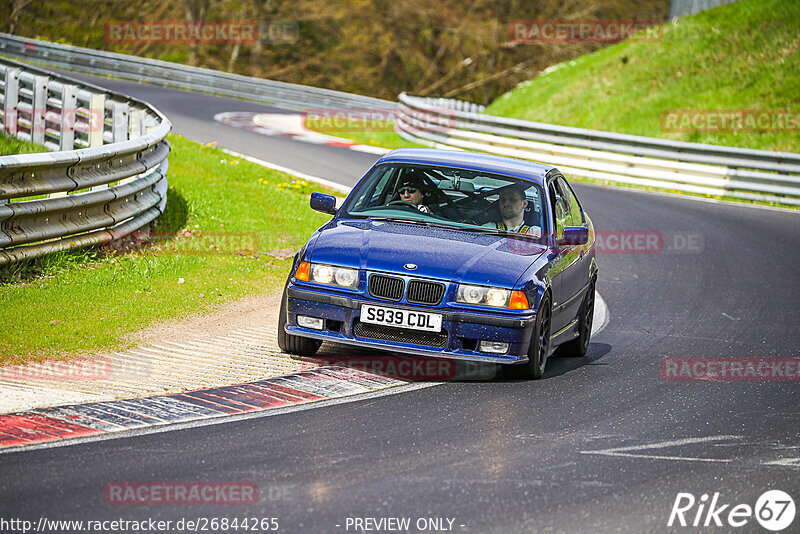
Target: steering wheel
column 402, row 203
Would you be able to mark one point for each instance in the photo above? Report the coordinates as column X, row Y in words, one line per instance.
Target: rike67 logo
column 774, row 510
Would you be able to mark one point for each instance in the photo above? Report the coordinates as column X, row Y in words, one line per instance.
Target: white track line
column 785, row 462
column 601, row 314
column 301, row 175
column 626, row 451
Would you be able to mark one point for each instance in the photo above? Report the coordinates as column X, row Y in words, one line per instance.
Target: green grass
column 71, row 303
column 10, row 146
column 741, row 56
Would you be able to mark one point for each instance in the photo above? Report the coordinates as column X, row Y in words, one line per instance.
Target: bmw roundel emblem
column 410, row 266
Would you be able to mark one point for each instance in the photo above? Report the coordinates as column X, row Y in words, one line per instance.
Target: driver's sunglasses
column 407, row 191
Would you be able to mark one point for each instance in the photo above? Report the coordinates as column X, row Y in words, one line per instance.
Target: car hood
column 447, row 254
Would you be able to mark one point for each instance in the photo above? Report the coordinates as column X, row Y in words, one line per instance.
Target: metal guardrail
column 689, row 167
column 106, row 179
column 684, row 8
column 175, row 75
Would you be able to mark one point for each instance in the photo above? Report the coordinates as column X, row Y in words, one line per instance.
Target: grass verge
column 10, row 146
column 229, row 230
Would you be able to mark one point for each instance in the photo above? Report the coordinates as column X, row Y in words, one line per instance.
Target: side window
column 379, row 191
column 560, row 207
column 576, row 214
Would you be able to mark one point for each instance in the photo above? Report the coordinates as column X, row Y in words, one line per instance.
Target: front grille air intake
column 386, row 287
column 421, row 292
column 400, row 335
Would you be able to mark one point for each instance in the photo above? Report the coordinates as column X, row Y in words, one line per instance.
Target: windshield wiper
column 403, row 219
column 477, row 229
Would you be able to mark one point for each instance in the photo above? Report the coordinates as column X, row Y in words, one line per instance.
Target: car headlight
column 327, row 274
column 346, row 277
column 322, row 274
column 491, row 296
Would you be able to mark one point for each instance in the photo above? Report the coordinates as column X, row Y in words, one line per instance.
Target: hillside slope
column 741, row 56
column 371, row 47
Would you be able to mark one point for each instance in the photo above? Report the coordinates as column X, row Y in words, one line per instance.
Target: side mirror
column 324, row 203
column 575, row 235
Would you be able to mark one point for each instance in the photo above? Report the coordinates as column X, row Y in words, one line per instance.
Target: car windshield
column 444, row 196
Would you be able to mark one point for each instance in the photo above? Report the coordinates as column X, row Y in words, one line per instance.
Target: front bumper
column 461, row 331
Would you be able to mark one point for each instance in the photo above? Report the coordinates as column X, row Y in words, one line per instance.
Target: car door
column 561, row 261
column 574, row 277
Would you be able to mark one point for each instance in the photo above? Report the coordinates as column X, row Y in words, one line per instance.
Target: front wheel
column 539, row 347
column 299, row 346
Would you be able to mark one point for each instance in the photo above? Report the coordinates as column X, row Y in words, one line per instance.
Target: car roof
column 535, row 172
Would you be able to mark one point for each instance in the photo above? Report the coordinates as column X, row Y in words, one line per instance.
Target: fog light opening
column 493, row 347
column 305, row 321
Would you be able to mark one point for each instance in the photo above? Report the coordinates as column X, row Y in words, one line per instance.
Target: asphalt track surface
column 601, row 444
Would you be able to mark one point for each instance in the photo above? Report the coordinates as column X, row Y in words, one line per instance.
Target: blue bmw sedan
column 448, row 254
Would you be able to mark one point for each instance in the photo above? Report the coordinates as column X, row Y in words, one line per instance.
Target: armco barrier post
column 97, row 105
column 149, row 125
column 10, row 113
column 39, row 109
column 69, row 106
column 135, row 123
column 119, row 122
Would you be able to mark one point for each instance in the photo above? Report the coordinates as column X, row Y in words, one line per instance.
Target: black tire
column 299, row 346
column 539, row 347
column 578, row 347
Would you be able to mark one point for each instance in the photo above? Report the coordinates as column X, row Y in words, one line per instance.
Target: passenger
column 512, row 205
column 414, row 190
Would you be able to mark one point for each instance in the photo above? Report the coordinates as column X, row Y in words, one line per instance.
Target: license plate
column 415, row 320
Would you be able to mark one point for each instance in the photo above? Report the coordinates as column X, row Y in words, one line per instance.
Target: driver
column 413, row 189
column 512, row 205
